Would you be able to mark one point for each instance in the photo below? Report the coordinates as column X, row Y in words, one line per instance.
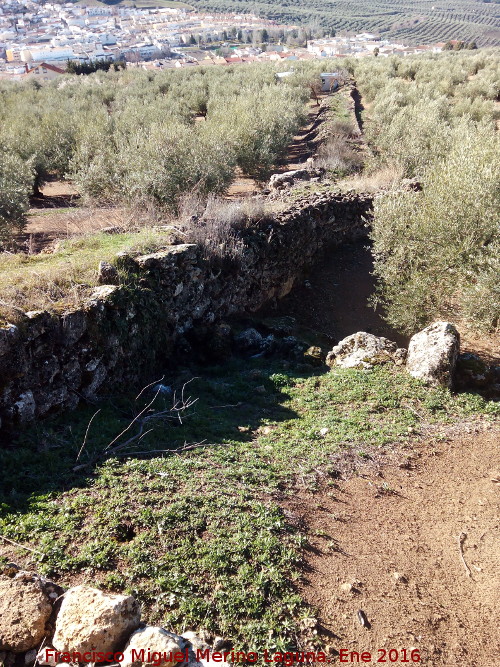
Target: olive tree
column 16, row 182
column 437, row 251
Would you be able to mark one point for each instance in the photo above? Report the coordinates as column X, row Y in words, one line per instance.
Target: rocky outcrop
column 107, row 274
column 90, row 620
column 364, row 350
column 432, row 354
column 25, row 608
column 124, row 333
column 289, row 178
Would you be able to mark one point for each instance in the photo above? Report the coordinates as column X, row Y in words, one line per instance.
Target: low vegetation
column 434, row 119
column 137, row 138
column 200, row 535
column 62, row 279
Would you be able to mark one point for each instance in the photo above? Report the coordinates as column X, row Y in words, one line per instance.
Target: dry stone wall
column 125, row 333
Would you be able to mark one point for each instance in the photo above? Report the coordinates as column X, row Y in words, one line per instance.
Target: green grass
column 58, row 281
column 51, row 211
column 199, row 536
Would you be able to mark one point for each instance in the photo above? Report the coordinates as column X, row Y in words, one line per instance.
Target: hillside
column 418, row 22
column 199, row 407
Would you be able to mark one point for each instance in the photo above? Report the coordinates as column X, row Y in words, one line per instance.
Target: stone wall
column 125, row 333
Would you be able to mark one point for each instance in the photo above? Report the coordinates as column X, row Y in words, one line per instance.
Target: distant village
column 37, row 39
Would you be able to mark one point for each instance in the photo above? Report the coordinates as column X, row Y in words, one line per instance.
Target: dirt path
column 301, row 148
column 392, row 532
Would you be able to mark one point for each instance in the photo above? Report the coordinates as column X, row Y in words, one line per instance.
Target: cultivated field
column 412, row 22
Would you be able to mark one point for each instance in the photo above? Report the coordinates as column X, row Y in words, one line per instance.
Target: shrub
column 437, row 252
column 337, row 155
column 219, row 230
column 16, row 183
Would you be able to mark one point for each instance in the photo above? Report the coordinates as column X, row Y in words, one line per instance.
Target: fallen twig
column 21, row 546
column 218, row 407
column 461, row 539
column 176, row 412
column 149, row 385
column 178, row 450
column 86, row 435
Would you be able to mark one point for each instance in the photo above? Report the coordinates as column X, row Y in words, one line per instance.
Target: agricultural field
column 411, row 22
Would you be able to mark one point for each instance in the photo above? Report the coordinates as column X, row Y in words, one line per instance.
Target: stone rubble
column 88, row 620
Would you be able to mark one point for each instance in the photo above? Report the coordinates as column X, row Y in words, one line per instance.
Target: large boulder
column 364, row 350
column 25, row 609
column 148, row 641
column 90, row 620
column 432, row 354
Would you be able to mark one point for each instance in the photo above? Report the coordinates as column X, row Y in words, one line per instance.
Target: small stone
column 400, row 578
column 248, row 340
column 363, row 620
column 46, row 656
column 221, row 644
column 107, row 274
column 10, row 569
column 347, row 587
column 198, row 643
column 324, row 431
column 30, row 656
column 314, row 356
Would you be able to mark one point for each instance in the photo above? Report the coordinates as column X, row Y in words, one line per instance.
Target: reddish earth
column 418, row 543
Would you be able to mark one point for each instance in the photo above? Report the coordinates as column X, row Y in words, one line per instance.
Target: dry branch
column 21, row 546
column 461, row 539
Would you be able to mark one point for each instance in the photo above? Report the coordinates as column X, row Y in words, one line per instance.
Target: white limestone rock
column 146, row 642
column 364, row 350
column 432, row 354
column 90, row 620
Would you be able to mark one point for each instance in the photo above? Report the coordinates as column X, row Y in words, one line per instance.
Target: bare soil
column 56, row 215
column 396, row 531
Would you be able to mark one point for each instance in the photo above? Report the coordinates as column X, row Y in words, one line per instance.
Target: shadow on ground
column 62, row 453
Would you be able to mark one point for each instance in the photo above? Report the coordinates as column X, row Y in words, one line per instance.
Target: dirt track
column 407, row 519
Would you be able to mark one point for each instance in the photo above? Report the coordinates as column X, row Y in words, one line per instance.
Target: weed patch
column 199, row 536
